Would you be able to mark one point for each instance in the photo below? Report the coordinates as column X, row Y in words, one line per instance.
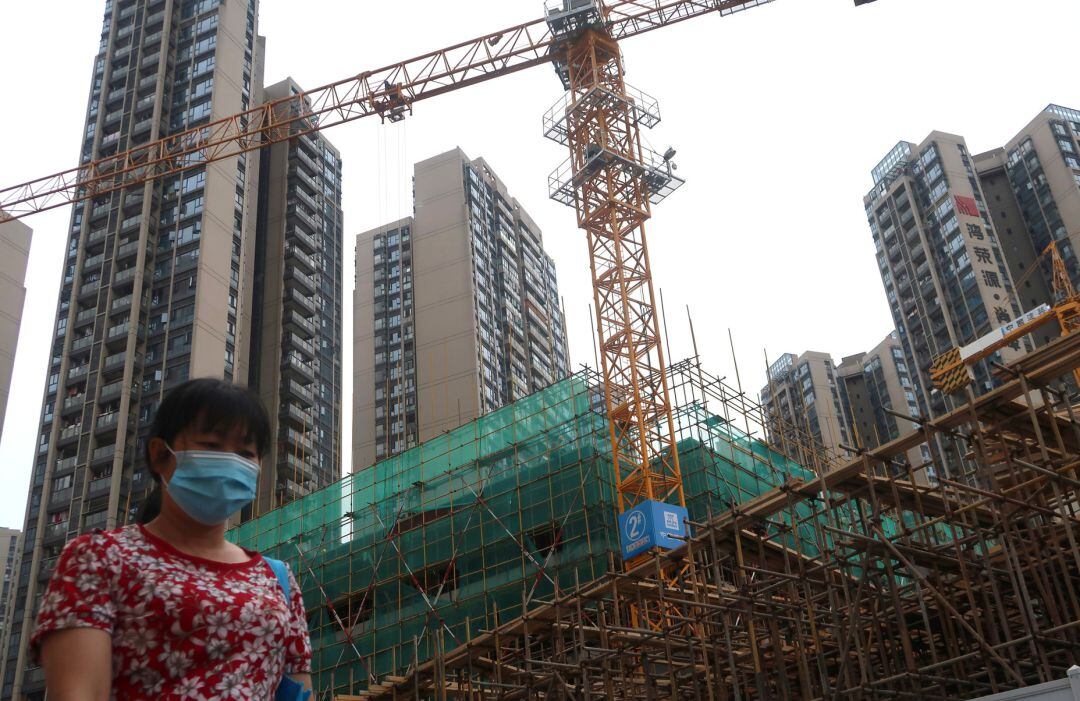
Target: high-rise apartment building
column 875, row 386
column 954, row 231
column 296, row 309
column 457, row 310
column 1033, row 195
column 940, row 257
column 802, row 401
column 9, row 561
column 14, row 254
column 157, row 282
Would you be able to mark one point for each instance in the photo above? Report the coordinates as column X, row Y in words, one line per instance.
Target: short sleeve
column 297, row 642
column 80, row 592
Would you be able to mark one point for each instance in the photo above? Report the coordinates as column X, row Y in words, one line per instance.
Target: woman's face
column 235, row 441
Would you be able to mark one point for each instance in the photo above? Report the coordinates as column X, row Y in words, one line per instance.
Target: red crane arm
column 387, row 91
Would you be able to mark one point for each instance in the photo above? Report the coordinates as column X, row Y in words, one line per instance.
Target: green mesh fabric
column 455, row 536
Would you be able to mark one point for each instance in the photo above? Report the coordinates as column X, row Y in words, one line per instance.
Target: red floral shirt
column 182, row 627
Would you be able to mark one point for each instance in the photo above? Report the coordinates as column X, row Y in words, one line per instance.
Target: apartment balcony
column 98, row 519
column 65, row 464
column 300, row 391
column 303, row 301
column 289, row 490
column 115, row 362
column 110, row 391
column 305, row 346
column 95, row 237
column 148, row 81
column 82, row 343
column 72, row 403
column 306, row 240
column 103, row 454
column 294, row 465
column 78, row 371
column 99, row 211
column 297, row 256
column 117, row 332
column 127, row 249
column 120, row 304
column 123, row 276
column 307, row 160
column 295, row 322
column 89, row 288
column 298, row 368
column 55, row 531
column 85, row 316
column 106, row 422
column 93, row 262
column 131, row 223
column 305, row 281
column 295, row 441
column 100, row 487
column 298, row 417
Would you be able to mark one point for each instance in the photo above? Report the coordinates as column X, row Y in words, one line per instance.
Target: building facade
column 157, row 282
column 296, row 310
column 14, row 254
column 457, row 310
column 802, row 402
column 875, row 387
column 1035, row 179
column 9, row 564
column 940, row 259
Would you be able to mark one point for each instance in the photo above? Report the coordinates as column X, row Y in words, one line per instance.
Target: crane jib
column 1006, row 334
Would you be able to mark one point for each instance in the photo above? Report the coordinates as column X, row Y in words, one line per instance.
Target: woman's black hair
column 204, row 404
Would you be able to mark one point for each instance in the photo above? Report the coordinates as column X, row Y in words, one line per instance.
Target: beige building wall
column 14, row 254
column 448, row 391
column 456, row 309
column 802, row 400
column 874, row 384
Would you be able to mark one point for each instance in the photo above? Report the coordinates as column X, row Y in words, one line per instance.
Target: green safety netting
column 459, row 533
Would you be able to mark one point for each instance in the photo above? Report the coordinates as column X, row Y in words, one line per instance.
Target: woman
column 167, row 608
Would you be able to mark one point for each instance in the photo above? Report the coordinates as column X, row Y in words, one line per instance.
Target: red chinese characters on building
column 966, row 205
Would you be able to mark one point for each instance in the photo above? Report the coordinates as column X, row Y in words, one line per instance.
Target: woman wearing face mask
column 167, row 608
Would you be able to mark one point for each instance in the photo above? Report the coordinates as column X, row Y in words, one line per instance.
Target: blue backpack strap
column 287, row 689
column 281, row 571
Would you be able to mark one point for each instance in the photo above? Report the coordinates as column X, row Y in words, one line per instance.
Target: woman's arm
column 78, row 664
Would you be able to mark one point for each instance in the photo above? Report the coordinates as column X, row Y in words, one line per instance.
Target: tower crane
column 951, row 371
column 610, row 179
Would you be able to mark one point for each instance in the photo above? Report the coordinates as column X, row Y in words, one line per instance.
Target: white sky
column 778, row 114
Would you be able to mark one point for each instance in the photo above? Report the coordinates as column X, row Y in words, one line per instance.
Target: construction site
column 485, row 564
column 514, row 556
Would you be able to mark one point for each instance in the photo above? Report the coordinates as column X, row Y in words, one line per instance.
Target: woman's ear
column 162, row 461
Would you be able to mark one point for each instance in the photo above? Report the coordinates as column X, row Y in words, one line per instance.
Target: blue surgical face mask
column 211, row 486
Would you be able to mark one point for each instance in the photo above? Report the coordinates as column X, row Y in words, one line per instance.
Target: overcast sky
column 778, row 114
